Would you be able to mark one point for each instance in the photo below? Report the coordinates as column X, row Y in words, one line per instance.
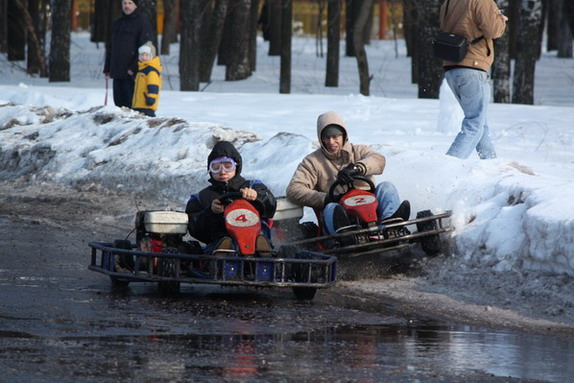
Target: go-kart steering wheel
column 335, row 198
column 229, row 197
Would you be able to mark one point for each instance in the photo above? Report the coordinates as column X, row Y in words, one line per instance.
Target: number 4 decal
column 241, row 218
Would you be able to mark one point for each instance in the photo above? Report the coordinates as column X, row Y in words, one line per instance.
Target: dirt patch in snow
column 444, row 287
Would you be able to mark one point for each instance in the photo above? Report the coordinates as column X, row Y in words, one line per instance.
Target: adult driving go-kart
column 161, row 254
column 366, row 234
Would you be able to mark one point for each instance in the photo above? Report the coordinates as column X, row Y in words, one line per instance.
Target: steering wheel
column 229, row 197
column 335, row 198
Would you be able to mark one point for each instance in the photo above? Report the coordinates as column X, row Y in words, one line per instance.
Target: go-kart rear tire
column 119, row 283
column 431, row 245
column 304, row 293
column 125, row 262
column 167, row 268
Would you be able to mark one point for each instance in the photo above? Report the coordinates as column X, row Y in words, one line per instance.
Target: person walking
column 129, row 32
column 476, row 20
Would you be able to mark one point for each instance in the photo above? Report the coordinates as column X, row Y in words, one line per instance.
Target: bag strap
column 476, row 40
column 444, row 21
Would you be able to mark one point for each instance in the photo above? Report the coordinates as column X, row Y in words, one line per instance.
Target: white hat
column 144, row 49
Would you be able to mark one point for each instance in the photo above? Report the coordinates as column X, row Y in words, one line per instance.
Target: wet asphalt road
column 60, row 322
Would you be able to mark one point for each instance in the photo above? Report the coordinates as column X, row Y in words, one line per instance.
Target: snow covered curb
column 506, row 216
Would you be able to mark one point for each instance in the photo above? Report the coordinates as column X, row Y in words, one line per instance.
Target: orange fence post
column 382, row 19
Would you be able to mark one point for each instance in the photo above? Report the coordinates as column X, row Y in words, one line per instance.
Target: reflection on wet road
column 60, row 322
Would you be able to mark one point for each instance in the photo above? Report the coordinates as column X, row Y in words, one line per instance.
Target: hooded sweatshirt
column 207, row 226
column 318, row 171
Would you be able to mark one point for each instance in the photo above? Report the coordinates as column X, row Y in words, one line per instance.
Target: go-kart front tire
column 167, row 268
column 304, row 293
column 431, row 245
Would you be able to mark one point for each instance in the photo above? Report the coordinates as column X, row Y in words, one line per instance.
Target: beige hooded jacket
column 472, row 19
column 317, row 172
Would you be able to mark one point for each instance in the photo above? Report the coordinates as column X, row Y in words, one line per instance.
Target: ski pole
column 106, row 98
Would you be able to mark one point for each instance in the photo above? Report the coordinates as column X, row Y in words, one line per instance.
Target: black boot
column 342, row 223
column 404, row 211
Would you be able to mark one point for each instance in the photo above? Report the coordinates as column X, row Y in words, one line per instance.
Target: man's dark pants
column 123, row 92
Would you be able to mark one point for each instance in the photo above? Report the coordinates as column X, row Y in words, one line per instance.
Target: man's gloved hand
column 345, row 175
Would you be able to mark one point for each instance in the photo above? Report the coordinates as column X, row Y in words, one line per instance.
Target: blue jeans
column 387, row 196
column 471, row 89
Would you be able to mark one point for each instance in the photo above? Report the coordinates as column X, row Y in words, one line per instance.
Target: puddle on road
column 370, row 353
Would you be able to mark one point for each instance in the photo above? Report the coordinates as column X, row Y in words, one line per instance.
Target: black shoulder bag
column 451, row 47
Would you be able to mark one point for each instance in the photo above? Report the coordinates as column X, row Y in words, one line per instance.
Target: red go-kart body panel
column 243, row 225
column 361, row 204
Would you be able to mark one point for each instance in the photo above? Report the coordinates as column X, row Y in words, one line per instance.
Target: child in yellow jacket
column 148, row 81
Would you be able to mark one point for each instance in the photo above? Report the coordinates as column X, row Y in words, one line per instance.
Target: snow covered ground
column 514, row 213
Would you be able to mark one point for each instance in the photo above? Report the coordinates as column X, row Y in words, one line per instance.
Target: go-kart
column 367, row 234
column 161, row 254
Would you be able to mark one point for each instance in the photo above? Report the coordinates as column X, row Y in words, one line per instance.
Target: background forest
column 223, row 32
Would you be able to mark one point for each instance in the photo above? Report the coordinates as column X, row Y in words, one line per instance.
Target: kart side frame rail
column 381, row 243
column 312, row 269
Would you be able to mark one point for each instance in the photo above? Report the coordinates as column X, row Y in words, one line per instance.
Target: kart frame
column 315, row 270
column 382, row 237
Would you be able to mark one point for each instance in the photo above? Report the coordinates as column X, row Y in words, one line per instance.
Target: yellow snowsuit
column 147, row 86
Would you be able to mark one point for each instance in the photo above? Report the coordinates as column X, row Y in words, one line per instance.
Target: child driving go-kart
column 206, row 208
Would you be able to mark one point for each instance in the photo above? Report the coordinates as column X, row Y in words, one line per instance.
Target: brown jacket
column 472, row 19
column 317, row 172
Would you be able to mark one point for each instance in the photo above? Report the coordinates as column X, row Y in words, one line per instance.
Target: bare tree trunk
column 274, row 27
column 150, row 10
column 253, row 34
column 319, row 39
column 99, row 21
column 359, row 46
column 333, row 42
column 36, row 58
column 527, row 48
column 564, row 36
column 430, row 73
column 265, row 20
column 35, row 52
column 286, row 34
column 189, row 48
column 3, row 26
column 59, row 66
column 569, row 12
column 213, row 42
column 512, row 25
column 169, row 34
column 226, row 45
column 239, row 68
column 410, row 17
column 351, row 12
column 554, row 14
column 16, row 33
column 501, row 66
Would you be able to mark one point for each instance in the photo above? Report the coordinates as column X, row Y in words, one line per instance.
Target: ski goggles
column 220, row 164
